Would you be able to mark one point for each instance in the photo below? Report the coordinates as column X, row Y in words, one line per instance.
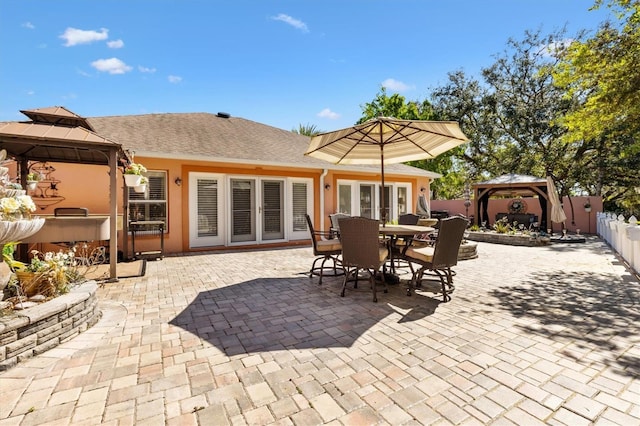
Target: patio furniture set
column 356, row 247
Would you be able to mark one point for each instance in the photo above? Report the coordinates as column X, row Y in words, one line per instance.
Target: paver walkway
column 533, row 335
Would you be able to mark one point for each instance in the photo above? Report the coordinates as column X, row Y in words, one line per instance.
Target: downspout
column 324, row 173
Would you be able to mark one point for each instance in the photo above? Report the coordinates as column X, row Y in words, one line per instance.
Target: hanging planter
column 133, row 174
column 32, row 181
column 142, row 185
column 132, row 180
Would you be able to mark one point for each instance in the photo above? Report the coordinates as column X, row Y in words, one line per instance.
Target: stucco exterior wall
column 88, row 186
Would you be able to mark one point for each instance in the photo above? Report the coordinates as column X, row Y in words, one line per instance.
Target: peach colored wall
column 584, row 221
column 81, row 186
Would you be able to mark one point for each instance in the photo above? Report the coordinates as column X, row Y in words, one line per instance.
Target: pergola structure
column 59, row 135
column 511, row 185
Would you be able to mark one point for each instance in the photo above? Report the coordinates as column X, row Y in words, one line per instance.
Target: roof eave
column 330, row 166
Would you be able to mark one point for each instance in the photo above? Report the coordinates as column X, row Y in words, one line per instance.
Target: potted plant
column 133, row 174
column 49, row 274
column 32, row 181
column 587, row 206
column 142, row 186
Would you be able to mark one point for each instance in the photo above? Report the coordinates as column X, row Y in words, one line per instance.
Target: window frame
column 146, row 202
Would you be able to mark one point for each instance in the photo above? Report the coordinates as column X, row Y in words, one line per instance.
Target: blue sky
column 281, row 63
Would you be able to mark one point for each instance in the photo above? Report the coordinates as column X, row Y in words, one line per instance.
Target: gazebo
column 511, row 185
column 59, row 135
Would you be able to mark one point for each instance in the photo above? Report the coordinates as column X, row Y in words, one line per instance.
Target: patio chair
column 325, row 248
column 408, row 219
column 400, row 242
column 335, row 222
column 362, row 251
column 440, row 257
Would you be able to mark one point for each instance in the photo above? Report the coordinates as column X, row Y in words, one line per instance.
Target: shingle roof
column 206, row 136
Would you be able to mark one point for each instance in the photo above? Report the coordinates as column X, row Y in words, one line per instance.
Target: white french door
column 256, row 215
column 206, row 210
column 234, row 210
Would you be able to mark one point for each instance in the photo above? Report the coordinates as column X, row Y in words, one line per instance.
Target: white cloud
column 73, row 36
column 327, row 113
column 112, row 66
column 296, row 23
column 146, row 70
column 28, row 25
column 115, row 44
column 395, row 85
column 31, row 92
column 174, row 79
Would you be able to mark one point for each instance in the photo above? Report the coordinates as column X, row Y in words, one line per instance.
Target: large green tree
column 602, row 72
column 511, row 114
column 396, row 105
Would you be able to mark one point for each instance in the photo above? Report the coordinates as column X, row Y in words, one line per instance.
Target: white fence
column 623, row 236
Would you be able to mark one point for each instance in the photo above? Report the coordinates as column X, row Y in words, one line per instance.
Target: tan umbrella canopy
column 557, row 213
column 386, row 140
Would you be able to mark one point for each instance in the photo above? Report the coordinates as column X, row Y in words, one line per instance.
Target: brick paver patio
column 533, row 335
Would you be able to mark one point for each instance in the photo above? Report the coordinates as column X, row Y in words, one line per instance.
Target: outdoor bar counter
column 72, row 228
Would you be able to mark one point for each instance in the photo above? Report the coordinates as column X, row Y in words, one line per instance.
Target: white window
column 152, row 203
column 301, row 204
column 364, row 199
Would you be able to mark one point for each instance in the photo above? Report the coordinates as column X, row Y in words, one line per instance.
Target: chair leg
column 372, row 280
column 322, row 268
column 346, row 278
column 319, row 271
column 444, row 280
column 416, row 277
column 384, row 281
column 312, row 271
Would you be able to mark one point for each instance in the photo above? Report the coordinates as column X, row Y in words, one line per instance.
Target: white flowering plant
column 135, row 169
column 54, row 272
column 14, row 208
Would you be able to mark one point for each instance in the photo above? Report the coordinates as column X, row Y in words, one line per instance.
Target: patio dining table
column 395, row 231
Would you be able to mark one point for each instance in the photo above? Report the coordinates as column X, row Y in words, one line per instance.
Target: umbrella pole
column 383, row 212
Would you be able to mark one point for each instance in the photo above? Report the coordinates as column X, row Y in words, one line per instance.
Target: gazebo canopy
column 67, row 139
column 511, row 185
column 59, row 135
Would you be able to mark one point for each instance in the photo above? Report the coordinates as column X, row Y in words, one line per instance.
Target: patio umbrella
column 557, row 213
column 386, row 140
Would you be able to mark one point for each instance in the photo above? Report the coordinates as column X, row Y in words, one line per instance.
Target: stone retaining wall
column 35, row 330
column 508, row 239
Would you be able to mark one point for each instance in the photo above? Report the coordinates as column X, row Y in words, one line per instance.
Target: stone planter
column 508, row 239
column 32, row 331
